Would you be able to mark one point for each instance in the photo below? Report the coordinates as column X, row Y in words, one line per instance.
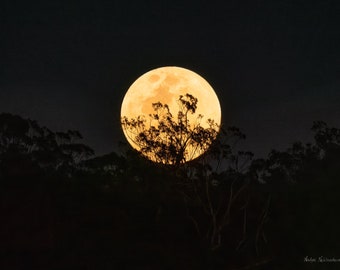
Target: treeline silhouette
column 62, row 207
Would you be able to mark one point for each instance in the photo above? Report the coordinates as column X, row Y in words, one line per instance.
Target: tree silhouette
column 214, row 186
column 38, row 148
column 220, row 190
column 303, row 179
column 169, row 139
column 237, row 212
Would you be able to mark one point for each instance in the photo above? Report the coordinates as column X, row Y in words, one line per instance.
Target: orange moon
column 165, row 85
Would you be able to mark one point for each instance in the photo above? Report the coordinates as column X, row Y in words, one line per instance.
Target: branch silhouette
column 169, row 139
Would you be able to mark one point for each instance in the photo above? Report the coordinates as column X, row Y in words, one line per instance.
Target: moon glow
column 165, row 85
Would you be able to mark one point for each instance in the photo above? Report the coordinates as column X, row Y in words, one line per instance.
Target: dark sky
column 273, row 64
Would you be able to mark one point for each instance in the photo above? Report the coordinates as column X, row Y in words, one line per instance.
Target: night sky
column 273, row 64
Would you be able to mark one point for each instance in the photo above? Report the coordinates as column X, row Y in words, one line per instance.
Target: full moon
column 165, row 85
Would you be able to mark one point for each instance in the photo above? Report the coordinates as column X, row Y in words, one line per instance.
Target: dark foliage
column 168, row 139
column 28, row 149
column 62, row 208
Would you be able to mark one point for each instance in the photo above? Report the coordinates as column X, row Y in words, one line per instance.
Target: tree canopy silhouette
column 170, row 139
column 38, row 148
column 235, row 211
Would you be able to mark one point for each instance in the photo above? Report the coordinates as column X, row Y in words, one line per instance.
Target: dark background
column 273, row 64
